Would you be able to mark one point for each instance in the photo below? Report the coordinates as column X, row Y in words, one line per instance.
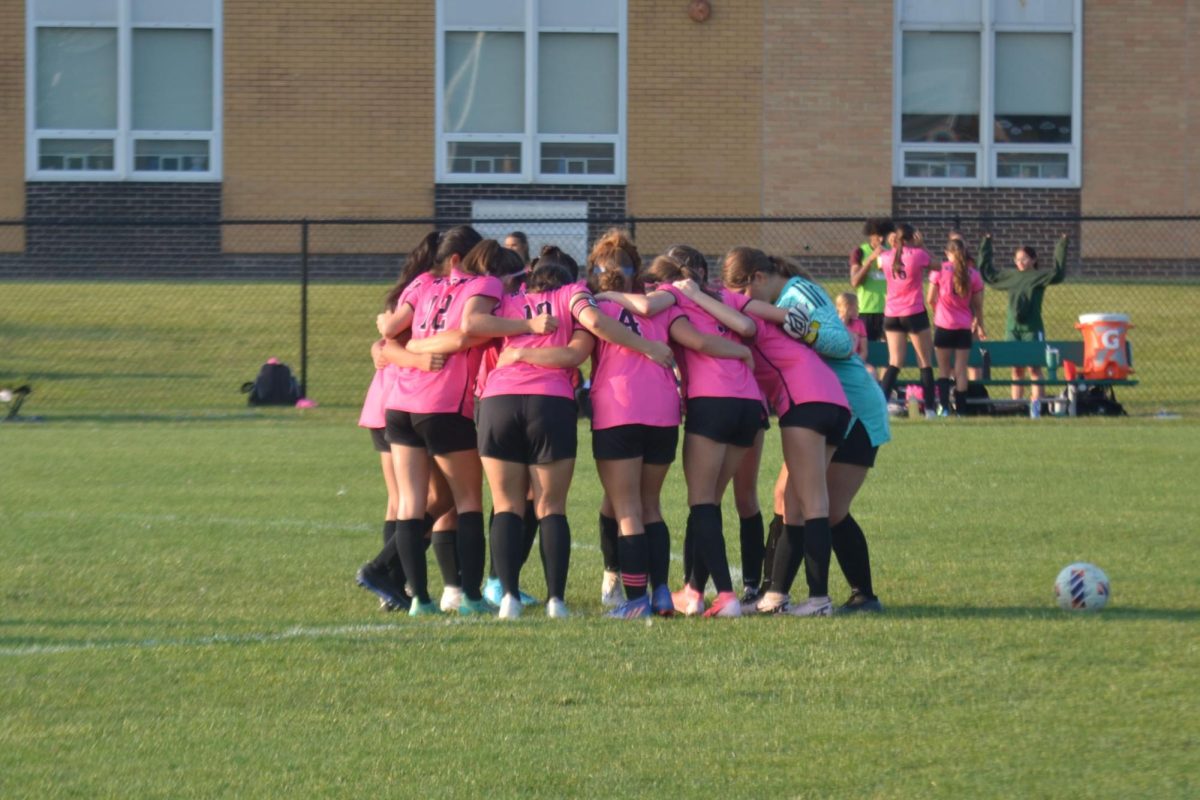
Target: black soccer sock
column 445, row 548
column 634, row 554
column 556, row 553
column 960, row 400
column 850, row 547
column 751, row 535
column 817, row 547
column 471, row 548
column 705, row 520
column 774, row 531
column 491, row 560
column 531, row 530
column 389, row 530
column 410, row 547
column 658, row 541
column 927, row 387
column 789, row 551
column 943, row 391
column 507, row 540
column 608, row 544
column 889, row 381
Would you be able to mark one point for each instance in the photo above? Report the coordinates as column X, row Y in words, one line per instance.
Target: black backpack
column 1099, row 400
column 274, row 386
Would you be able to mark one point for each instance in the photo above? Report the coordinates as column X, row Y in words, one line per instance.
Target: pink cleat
column 727, row 604
column 688, row 601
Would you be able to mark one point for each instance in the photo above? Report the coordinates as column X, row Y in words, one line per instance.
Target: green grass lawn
column 178, row 619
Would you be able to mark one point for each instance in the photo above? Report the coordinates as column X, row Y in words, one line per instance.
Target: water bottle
column 987, row 363
column 1035, row 409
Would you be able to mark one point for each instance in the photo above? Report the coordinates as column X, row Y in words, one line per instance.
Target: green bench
column 1006, row 355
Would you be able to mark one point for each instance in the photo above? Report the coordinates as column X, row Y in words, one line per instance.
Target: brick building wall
column 12, row 120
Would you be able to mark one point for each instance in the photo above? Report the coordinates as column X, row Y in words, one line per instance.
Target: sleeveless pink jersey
column 523, row 378
column 704, row 375
column 954, row 311
column 904, row 297
column 791, row 373
column 374, row 407
column 627, row 387
column 438, row 306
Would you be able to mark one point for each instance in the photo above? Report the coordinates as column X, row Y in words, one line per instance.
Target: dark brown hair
column 957, row 251
column 554, row 270
column 692, row 261
column 432, row 250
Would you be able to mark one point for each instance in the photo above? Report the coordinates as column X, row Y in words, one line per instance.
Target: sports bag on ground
column 274, row 386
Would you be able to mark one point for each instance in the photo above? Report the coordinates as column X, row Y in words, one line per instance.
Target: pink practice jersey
column 904, row 289
column 705, row 375
column 374, row 407
column 953, row 310
column 791, row 373
column 523, row 378
column 438, row 306
column 627, row 387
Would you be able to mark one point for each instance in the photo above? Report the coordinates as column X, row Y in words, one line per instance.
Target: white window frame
column 987, row 150
column 123, row 136
column 531, row 140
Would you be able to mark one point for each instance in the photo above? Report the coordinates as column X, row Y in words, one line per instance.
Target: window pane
column 76, row 78
column 477, row 13
column 940, row 87
column 1033, row 87
column 485, row 82
column 578, row 14
column 172, row 12
column 172, row 80
column 565, row 158
column 75, row 11
column 484, row 158
column 577, row 83
column 1042, row 166
column 159, row 155
column 939, row 165
column 75, row 154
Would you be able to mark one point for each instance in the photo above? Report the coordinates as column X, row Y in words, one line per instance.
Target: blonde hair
column 844, row 302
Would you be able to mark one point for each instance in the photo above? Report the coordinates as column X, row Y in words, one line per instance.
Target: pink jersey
column 954, row 311
column 438, row 306
column 705, row 375
column 627, row 387
column 374, row 407
column 520, row 377
column 904, row 289
column 791, row 373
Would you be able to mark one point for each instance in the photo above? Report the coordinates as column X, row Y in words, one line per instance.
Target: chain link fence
column 171, row 317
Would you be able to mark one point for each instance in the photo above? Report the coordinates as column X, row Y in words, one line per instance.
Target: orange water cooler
column 1105, row 354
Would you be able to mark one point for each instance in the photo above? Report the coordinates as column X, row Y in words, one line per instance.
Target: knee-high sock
column 658, row 542
column 943, row 392
column 634, row 555
column 410, row 547
column 445, row 551
column 608, row 544
column 889, row 381
column 774, row 531
column 705, row 521
column 531, row 529
column 789, row 552
column 556, row 553
column 927, row 386
column 817, row 547
column 471, row 555
column 506, row 540
column 850, row 547
column 751, row 535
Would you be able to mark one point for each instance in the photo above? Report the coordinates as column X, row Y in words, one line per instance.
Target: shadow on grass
column 181, row 416
column 1040, row 612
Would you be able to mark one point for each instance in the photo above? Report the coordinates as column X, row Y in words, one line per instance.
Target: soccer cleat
column 493, row 592
column 750, row 598
column 380, row 584
column 527, row 599
column 419, row 609
column 859, row 603
column 556, row 609
column 661, row 601
column 943, row 411
column 633, row 609
column 772, row 603
column 930, row 414
column 510, row 607
column 612, row 593
column 471, row 608
column 688, row 601
column 726, row 604
column 452, row 596
column 812, row 607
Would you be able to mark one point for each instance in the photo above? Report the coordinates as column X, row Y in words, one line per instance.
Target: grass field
column 178, row 619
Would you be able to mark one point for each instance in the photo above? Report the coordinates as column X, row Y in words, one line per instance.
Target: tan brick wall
column 12, row 122
column 827, row 108
column 329, row 111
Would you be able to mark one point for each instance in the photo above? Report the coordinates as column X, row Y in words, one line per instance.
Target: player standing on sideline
column 868, row 279
column 905, row 317
column 518, row 242
column 956, row 294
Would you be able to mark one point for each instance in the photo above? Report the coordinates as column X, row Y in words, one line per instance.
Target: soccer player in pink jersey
column 956, row 294
column 904, row 316
column 527, row 420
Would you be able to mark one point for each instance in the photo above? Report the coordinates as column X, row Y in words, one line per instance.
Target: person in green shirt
column 1026, row 285
column 867, row 278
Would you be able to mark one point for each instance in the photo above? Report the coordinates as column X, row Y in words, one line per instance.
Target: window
column 531, row 90
column 122, row 89
column 987, row 92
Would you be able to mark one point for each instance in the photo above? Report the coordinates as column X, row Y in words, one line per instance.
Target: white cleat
column 451, row 599
column 556, row 609
column 813, row 607
column 612, row 593
column 510, row 607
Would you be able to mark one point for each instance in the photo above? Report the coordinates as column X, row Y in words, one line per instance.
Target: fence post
column 632, row 227
column 304, row 308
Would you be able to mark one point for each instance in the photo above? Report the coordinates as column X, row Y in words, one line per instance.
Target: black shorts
column 911, row 324
column 856, row 448
column 379, row 439
column 952, row 338
column 874, row 326
column 437, row 433
column 825, row 418
column 527, row 429
column 653, row 444
column 725, row 420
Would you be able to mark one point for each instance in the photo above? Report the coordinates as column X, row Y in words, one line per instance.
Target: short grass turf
column 178, row 619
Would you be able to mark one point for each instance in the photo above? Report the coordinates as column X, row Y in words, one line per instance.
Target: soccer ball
column 1082, row 587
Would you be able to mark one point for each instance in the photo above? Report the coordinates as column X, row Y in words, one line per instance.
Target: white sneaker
column 813, row 607
column 772, row 603
column 612, row 593
column 556, row 609
column 510, row 607
column 451, row 599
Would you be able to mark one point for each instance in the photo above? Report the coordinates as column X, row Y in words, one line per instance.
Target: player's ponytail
column 961, row 261
column 554, row 269
column 418, row 262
